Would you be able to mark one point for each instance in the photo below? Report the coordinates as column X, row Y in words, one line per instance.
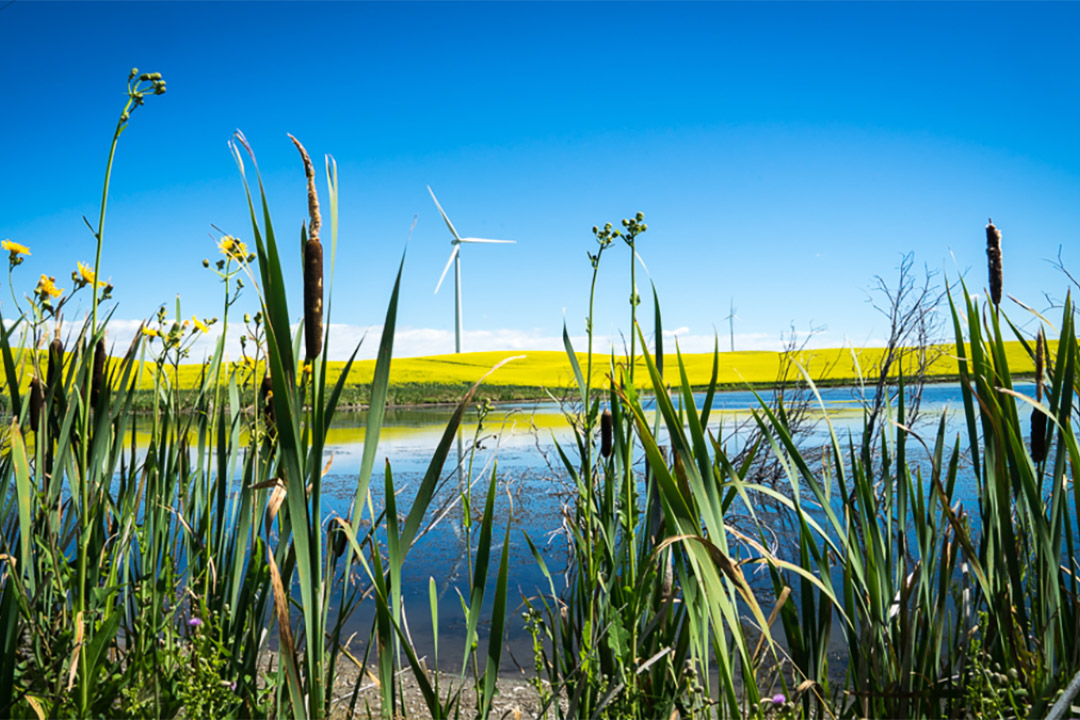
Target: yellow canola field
column 551, row 369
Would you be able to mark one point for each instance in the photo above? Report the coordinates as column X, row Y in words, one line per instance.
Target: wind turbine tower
column 731, row 324
column 455, row 260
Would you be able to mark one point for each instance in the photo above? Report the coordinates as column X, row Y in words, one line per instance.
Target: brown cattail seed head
column 56, row 362
column 1038, row 419
column 313, row 298
column 605, row 433
column 97, row 380
column 339, row 542
column 37, row 401
column 313, row 263
column 266, row 390
column 993, row 256
column 1038, row 435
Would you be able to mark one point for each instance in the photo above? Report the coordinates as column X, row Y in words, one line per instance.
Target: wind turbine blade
column 485, row 240
column 453, row 254
column 443, row 213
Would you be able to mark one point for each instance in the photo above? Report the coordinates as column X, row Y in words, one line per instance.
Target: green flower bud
column 640, row 216
column 205, row 263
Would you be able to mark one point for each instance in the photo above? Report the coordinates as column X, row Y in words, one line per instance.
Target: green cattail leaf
column 498, row 625
column 479, row 582
column 24, row 494
column 575, row 366
column 377, row 408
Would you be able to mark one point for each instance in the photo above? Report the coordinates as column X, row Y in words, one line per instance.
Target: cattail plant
column 993, row 257
column 56, row 359
column 98, row 376
column 313, row 264
column 37, row 400
column 605, row 433
column 266, row 391
column 1038, row 418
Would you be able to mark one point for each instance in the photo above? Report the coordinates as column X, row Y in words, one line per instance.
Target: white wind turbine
column 731, row 323
column 455, row 260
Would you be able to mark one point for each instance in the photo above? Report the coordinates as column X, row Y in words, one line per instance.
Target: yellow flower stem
column 11, row 286
column 84, row 442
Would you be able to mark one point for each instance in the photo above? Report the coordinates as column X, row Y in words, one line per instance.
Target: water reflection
column 517, row 442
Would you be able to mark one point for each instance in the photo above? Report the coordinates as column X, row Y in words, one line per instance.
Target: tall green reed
column 147, row 583
column 933, row 600
column 150, row 585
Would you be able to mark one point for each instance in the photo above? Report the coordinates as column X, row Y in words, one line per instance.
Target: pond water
column 517, row 442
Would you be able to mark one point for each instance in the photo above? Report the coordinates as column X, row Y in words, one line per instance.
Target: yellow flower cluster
column 231, row 247
column 46, row 288
column 16, row 251
column 84, row 275
column 15, row 248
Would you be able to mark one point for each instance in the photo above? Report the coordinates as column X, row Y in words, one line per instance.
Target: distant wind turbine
column 455, row 260
column 731, row 323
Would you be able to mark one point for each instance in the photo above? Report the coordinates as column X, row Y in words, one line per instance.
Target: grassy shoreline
column 357, row 398
column 540, row 375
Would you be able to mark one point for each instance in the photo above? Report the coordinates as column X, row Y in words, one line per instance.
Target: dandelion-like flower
column 46, row 288
column 233, row 248
column 151, row 332
column 84, row 275
column 16, row 252
column 199, row 325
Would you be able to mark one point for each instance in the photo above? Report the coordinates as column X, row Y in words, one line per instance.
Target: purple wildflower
column 232, row 686
column 194, row 622
column 779, row 699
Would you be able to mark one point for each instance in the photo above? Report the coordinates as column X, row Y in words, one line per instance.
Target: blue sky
column 783, row 154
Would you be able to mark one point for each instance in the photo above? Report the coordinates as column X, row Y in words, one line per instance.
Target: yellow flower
column 199, row 324
column 15, row 248
column 46, row 288
column 85, row 274
column 151, row 332
column 233, row 248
